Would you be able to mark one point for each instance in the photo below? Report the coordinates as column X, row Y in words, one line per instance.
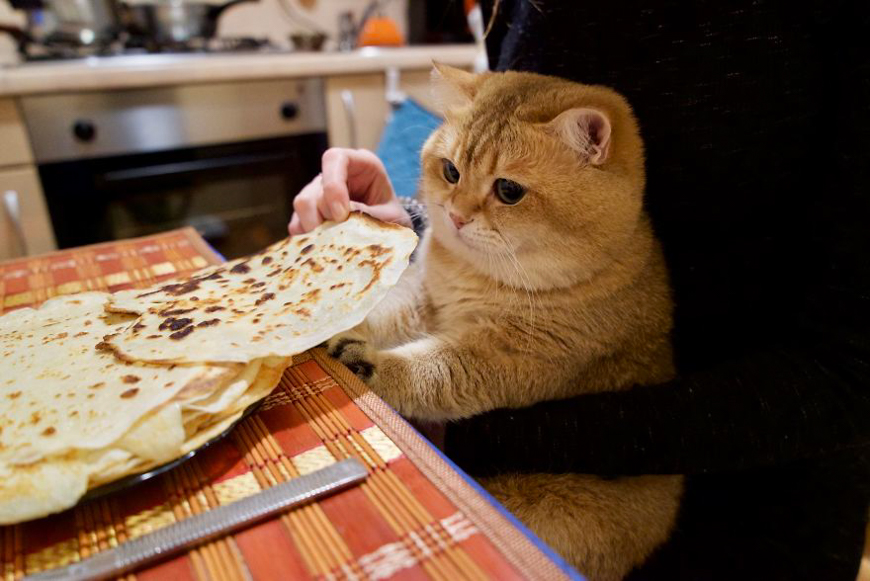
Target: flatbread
column 293, row 296
column 60, row 393
column 42, row 488
column 55, row 483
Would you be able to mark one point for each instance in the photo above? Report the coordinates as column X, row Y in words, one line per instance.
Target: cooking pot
column 174, row 21
column 85, row 22
column 73, row 23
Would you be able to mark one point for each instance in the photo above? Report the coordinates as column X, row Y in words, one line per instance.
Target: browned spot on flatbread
column 130, row 393
column 307, row 249
column 266, row 260
column 131, row 379
column 313, row 265
column 311, row 296
column 174, row 324
column 14, row 395
column 97, row 385
column 376, row 275
column 182, row 334
column 181, row 288
column 209, row 323
column 80, row 334
column 264, row 298
column 376, row 250
column 241, row 268
column 35, row 417
column 49, row 431
column 171, row 312
column 61, row 336
column 214, row 309
column 303, row 312
column 153, row 336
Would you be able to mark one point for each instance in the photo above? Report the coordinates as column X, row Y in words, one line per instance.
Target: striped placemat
column 414, row 518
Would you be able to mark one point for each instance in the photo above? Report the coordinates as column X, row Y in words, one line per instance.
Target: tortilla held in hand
column 292, row 296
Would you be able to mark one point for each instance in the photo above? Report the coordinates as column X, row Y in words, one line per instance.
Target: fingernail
column 338, row 212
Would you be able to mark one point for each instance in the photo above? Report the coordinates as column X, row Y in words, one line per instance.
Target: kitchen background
column 122, row 118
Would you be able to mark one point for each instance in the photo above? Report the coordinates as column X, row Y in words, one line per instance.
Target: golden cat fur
column 560, row 294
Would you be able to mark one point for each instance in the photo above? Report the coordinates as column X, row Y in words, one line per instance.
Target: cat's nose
column 457, row 221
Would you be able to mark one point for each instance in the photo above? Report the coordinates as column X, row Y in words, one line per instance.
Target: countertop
column 125, row 72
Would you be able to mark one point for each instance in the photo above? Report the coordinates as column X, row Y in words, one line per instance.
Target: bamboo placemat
column 414, row 518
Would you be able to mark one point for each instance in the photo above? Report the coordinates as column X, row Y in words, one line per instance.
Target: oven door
column 238, row 196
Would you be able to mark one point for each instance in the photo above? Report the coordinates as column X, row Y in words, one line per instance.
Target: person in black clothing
column 756, row 118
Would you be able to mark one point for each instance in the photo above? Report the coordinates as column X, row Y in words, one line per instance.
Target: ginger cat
column 539, row 278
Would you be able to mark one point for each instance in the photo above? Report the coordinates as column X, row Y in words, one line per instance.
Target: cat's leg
column 603, row 528
column 437, row 378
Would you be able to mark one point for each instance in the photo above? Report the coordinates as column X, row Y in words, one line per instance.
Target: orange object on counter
column 380, row 31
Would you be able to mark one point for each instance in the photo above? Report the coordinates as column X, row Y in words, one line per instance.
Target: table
column 416, row 517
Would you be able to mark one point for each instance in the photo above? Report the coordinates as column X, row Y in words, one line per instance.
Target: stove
column 139, row 46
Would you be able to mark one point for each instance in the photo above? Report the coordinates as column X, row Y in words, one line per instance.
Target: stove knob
column 289, row 110
column 84, row 130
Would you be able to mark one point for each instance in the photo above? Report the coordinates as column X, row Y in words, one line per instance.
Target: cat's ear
column 586, row 131
column 452, row 88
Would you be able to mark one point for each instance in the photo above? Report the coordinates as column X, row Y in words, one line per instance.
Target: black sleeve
column 801, row 393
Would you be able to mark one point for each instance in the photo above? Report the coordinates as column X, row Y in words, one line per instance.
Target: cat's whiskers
column 524, row 280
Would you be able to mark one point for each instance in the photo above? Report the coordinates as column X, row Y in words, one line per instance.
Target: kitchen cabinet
column 14, row 145
column 24, row 225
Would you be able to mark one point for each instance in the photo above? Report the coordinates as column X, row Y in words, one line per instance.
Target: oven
column 226, row 159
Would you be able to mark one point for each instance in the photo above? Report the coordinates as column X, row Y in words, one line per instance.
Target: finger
column 366, row 173
column 306, row 208
column 355, row 174
column 295, row 226
column 335, row 202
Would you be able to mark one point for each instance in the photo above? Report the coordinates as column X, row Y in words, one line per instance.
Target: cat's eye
column 451, row 174
column 508, row 191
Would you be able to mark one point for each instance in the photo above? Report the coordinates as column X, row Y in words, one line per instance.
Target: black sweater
column 756, row 118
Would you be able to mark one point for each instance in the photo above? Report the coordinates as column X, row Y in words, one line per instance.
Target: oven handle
column 13, row 212
column 194, row 166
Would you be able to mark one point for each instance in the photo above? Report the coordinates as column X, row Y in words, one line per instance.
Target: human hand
column 350, row 180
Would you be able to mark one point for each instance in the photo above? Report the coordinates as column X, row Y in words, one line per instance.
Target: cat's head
column 533, row 180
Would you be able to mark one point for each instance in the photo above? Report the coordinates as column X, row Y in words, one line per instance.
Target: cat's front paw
column 356, row 353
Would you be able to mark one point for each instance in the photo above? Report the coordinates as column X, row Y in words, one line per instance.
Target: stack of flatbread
column 95, row 387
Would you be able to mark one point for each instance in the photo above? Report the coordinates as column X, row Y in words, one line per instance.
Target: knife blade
column 216, row 522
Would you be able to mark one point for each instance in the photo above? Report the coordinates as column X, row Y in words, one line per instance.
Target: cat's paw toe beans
column 355, row 353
